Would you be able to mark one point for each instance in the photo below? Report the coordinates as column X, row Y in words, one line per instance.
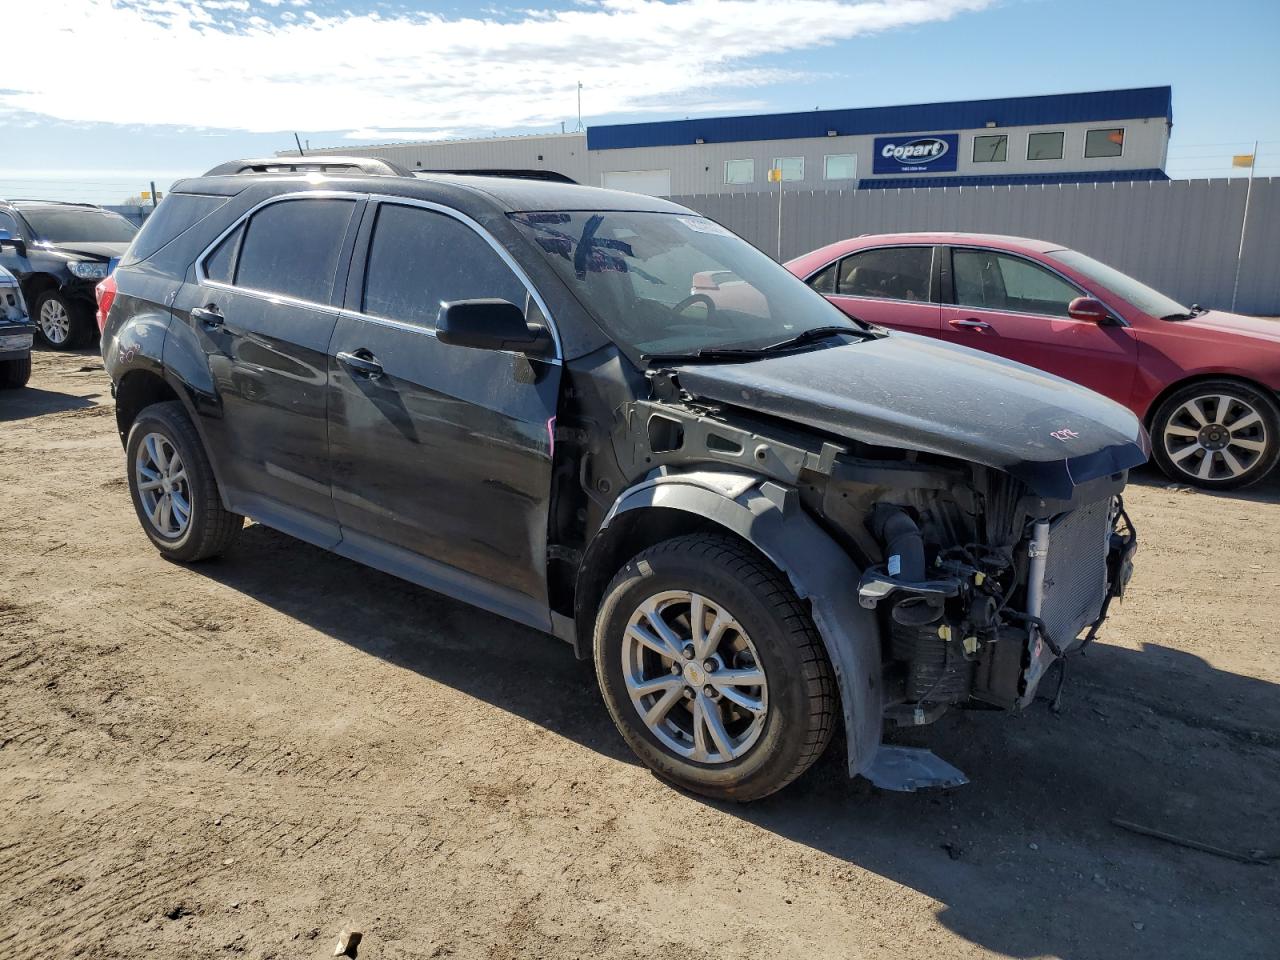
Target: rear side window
column 292, row 247
column 890, row 273
column 177, row 213
column 419, row 259
column 220, row 265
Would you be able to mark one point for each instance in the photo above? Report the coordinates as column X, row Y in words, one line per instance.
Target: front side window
column 419, row 259
column 988, row 280
column 1044, row 146
column 672, row 283
column 889, row 273
column 291, row 248
column 9, row 225
column 840, row 166
column 991, row 149
column 1104, row 143
column 739, row 171
column 78, row 225
column 792, row 167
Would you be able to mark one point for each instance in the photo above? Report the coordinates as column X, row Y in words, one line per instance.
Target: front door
column 441, row 455
column 890, row 286
column 262, row 311
column 1013, row 307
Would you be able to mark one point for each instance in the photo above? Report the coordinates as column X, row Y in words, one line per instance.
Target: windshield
column 79, row 225
column 672, row 284
column 1147, row 300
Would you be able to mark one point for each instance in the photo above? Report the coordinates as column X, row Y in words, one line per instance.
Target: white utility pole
column 1244, row 225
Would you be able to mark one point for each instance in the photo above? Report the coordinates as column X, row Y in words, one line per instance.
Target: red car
column 1204, row 382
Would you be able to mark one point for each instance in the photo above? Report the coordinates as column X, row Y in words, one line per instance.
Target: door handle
column 209, row 316
column 971, row 324
column 362, row 363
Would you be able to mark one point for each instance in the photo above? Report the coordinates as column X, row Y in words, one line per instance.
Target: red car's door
column 891, row 286
column 1008, row 305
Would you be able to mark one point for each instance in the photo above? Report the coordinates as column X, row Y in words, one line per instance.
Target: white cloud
column 222, row 64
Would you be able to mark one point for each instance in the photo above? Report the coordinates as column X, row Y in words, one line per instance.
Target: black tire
column 1172, row 450
column 15, row 373
column 802, row 705
column 81, row 328
column 211, row 528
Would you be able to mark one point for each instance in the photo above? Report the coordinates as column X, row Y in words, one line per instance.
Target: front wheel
column 173, row 487
column 712, row 669
column 62, row 323
column 1216, row 434
column 15, row 373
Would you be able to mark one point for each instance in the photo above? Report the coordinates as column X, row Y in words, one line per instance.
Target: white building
column 1076, row 137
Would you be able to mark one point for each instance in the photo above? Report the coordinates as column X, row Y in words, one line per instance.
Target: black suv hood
column 85, row 249
column 913, row 393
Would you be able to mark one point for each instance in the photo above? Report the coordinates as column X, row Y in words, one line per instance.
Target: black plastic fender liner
column 769, row 517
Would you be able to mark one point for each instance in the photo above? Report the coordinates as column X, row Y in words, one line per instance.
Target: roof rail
column 367, row 166
column 61, row 203
column 549, row 175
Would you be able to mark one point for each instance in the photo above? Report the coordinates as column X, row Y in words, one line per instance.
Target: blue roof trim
column 1014, row 179
column 923, row 117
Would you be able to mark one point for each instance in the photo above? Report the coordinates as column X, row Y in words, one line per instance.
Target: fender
column 769, row 516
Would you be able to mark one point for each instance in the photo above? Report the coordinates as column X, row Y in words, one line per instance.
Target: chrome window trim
column 203, row 279
column 887, row 246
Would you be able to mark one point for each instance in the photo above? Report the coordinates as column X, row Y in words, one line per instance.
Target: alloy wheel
column 163, row 486
column 694, row 677
column 55, row 322
column 1215, row 437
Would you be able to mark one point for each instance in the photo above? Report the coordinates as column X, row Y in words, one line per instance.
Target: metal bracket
column 875, row 585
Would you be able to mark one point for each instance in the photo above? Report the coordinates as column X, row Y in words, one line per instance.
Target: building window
column 1104, row 143
column 1044, row 146
column 739, row 171
column 992, row 149
column 840, row 166
column 792, row 167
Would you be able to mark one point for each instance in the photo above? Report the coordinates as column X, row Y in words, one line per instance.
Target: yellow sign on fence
column 1242, row 160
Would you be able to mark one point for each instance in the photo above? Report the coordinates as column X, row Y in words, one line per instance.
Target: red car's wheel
column 1217, row 434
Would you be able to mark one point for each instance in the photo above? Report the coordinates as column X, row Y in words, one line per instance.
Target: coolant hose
column 903, row 545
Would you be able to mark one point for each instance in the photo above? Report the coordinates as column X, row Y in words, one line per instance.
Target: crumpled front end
column 982, row 587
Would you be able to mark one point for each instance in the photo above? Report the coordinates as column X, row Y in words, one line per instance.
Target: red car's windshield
column 1146, row 299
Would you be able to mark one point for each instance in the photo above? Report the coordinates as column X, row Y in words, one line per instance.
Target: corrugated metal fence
column 1179, row 236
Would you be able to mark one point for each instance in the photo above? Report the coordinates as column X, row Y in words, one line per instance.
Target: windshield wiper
column 738, row 353
column 1195, row 311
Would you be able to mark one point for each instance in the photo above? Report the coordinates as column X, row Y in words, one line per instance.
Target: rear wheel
column 62, row 323
column 15, row 373
column 1217, row 434
column 173, row 487
column 712, row 669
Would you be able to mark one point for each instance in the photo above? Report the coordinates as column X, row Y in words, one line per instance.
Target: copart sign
column 916, row 153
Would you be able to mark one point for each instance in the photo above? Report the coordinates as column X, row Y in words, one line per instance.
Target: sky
column 99, row 97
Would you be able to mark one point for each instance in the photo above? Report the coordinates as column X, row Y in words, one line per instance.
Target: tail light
column 106, row 293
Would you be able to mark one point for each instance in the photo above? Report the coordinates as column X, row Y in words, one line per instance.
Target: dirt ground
column 237, row 758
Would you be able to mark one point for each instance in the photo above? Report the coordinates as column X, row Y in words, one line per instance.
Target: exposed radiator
column 1075, row 576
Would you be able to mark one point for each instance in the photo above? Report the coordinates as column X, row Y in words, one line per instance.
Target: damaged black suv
column 607, row 417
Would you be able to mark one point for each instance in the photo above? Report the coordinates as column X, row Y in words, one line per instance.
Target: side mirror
column 19, row 245
column 490, row 324
column 1086, row 308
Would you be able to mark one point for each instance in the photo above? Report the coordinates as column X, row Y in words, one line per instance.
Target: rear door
column 262, row 310
column 894, row 287
column 1011, row 306
column 441, row 454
